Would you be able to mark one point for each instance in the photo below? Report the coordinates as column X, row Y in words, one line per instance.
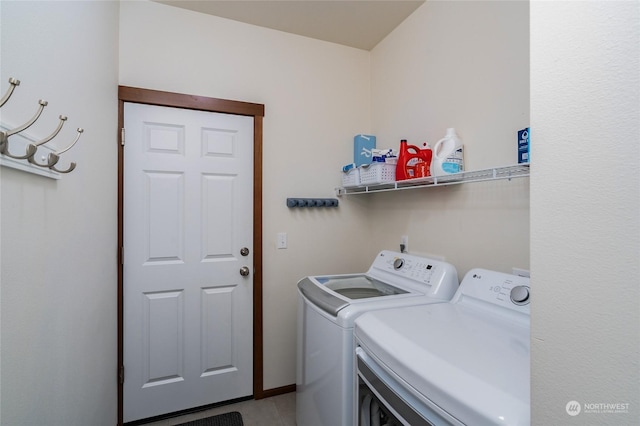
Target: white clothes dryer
column 465, row 362
column 327, row 308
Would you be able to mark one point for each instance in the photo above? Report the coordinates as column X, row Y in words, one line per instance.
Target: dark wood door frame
column 176, row 100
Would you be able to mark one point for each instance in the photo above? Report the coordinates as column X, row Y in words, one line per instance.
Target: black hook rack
column 312, row 202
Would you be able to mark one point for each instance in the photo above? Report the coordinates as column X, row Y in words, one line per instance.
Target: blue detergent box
column 363, row 146
column 524, row 146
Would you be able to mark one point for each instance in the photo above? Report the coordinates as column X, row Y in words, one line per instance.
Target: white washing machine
column 465, row 362
column 327, row 308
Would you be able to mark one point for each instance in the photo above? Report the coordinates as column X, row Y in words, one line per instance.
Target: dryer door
column 382, row 400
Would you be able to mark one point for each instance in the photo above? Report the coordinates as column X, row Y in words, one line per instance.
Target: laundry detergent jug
column 413, row 162
column 448, row 155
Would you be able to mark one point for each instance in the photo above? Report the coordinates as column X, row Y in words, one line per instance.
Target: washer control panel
column 416, row 272
column 506, row 290
column 417, row 268
column 398, row 263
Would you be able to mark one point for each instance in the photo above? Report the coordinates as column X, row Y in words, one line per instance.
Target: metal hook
column 12, row 85
column 4, row 148
column 79, row 130
column 63, row 118
column 55, row 156
column 4, row 136
column 70, row 169
column 41, row 105
column 49, row 162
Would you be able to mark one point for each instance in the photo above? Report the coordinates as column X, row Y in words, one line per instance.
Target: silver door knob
column 244, row 271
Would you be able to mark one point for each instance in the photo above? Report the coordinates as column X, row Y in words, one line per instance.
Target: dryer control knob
column 520, row 295
column 398, row 263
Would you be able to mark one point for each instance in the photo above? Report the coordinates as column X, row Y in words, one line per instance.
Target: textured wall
column 585, row 211
column 58, row 238
column 463, row 65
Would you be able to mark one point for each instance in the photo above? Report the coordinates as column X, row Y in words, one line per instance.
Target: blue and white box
column 363, row 146
column 524, row 146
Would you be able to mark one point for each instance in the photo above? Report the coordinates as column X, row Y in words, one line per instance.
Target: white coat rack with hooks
column 22, row 152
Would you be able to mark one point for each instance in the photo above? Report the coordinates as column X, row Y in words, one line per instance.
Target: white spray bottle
column 448, row 155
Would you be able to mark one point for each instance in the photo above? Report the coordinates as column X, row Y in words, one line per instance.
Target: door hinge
column 121, row 375
column 122, row 136
column 122, row 255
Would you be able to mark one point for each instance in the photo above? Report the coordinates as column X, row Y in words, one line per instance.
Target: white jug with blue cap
column 448, row 155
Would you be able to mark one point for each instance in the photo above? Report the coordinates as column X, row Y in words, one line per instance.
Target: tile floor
column 278, row 410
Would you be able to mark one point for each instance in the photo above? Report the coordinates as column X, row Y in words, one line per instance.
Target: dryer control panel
column 506, row 290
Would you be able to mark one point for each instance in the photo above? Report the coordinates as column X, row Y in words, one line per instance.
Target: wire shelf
column 496, row 173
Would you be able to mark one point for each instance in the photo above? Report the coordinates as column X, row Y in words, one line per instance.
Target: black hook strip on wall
column 312, row 202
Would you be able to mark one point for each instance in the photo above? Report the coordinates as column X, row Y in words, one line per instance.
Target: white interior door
column 188, row 212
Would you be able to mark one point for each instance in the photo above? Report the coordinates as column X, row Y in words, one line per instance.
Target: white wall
column 316, row 97
column 58, row 238
column 463, row 65
column 585, row 210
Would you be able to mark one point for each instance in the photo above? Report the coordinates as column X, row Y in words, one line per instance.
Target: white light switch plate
column 282, row 240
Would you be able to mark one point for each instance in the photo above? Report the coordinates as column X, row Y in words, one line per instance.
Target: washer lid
column 359, row 286
column 350, row 287
column 472, row 363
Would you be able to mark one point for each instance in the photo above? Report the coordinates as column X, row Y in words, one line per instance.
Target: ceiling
column 361, row 23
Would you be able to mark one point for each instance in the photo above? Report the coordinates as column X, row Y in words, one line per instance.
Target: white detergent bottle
column 448, row 155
